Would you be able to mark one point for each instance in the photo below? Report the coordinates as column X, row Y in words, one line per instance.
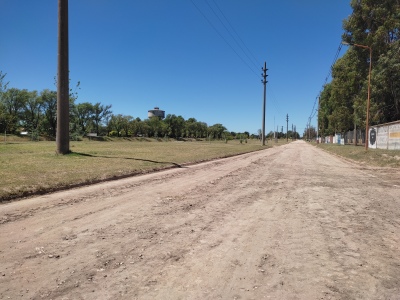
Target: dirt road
column 292, row 222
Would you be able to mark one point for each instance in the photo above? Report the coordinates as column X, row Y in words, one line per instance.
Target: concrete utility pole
column 292, row 132
column 264, row 81
column 319, row 98
column 62, row 137
column 287, row 126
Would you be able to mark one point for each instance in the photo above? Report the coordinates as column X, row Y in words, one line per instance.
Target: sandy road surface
column 292, row 222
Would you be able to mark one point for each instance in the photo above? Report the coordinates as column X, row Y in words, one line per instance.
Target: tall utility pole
column 319, row 98
column 292, row 131
column 274, row 127
column 264, row 81
column 62, row 137
column 287, row 126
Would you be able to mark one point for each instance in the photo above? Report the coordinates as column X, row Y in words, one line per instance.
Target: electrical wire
column 256, row 63
column 315, row 110
column 243, row 47
column 223, row 38
column 272, row 100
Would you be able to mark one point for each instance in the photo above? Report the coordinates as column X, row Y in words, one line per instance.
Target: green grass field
column 372, row 157
column 34, row 167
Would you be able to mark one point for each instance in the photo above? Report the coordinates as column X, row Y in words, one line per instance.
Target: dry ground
column 291, row 222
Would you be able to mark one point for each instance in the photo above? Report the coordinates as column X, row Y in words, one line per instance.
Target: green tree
column 3, row 84
column 156, row 128
column 175, row 125
column 49, row 100
column 125, row 122
column 346, row 85
column 13, row 102
column 216, row 130
column 201, row 130
column 100, row 115
column 343, row 102
column 137, row 127
column 83, row 117
column 385, row 104
column 310, row 133
column 325, row 110
column 376, row 24
column 33, row 112
column 120, row 124
column 3, row 113
column 191, row 127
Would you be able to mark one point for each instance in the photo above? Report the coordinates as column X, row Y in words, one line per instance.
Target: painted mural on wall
column 385, row 136
column 394, row 136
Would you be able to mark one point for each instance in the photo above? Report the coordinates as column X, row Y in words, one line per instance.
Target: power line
column 334, row 61
column 272, row 100
column 257, row 63
column 315, row 110
column 221, row 36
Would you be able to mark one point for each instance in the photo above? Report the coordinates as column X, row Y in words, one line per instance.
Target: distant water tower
column 156, row 112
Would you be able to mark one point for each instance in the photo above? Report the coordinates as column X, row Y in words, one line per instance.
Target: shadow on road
column 129, row 158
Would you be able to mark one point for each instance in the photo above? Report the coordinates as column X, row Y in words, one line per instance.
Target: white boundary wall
column 385, row 136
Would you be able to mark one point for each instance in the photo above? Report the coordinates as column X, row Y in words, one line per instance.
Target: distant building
column 156, row 112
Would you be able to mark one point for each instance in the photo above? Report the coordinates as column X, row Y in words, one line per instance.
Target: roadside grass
column 34, row 167
column 372, row 157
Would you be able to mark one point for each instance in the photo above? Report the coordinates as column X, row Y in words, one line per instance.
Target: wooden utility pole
column 62, row 136
column 264, row 81
column 355, row 133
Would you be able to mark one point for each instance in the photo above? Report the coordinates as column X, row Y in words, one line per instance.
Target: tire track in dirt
column 284, row 223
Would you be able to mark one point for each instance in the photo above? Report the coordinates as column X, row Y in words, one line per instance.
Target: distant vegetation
column 36, row 114
column 343, row 101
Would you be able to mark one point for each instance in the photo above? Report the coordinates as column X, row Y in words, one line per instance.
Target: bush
column 75, row 137
column 113, row 133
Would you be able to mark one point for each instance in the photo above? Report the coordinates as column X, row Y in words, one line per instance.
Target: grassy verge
column 33, row 167
column 372, row 157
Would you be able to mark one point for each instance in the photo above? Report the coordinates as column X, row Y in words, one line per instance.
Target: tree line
column 343, row 101
column 283, row 135
column 36, row 113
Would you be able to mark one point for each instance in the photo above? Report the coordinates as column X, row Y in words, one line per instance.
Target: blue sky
column 136, row 55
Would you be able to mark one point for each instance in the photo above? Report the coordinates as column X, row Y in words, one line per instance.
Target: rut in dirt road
column 290, row 222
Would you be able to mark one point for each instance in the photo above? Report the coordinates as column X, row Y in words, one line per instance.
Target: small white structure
column 156, row 112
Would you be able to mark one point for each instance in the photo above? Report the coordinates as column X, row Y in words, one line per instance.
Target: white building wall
column 394, row 137
column 387, row 136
